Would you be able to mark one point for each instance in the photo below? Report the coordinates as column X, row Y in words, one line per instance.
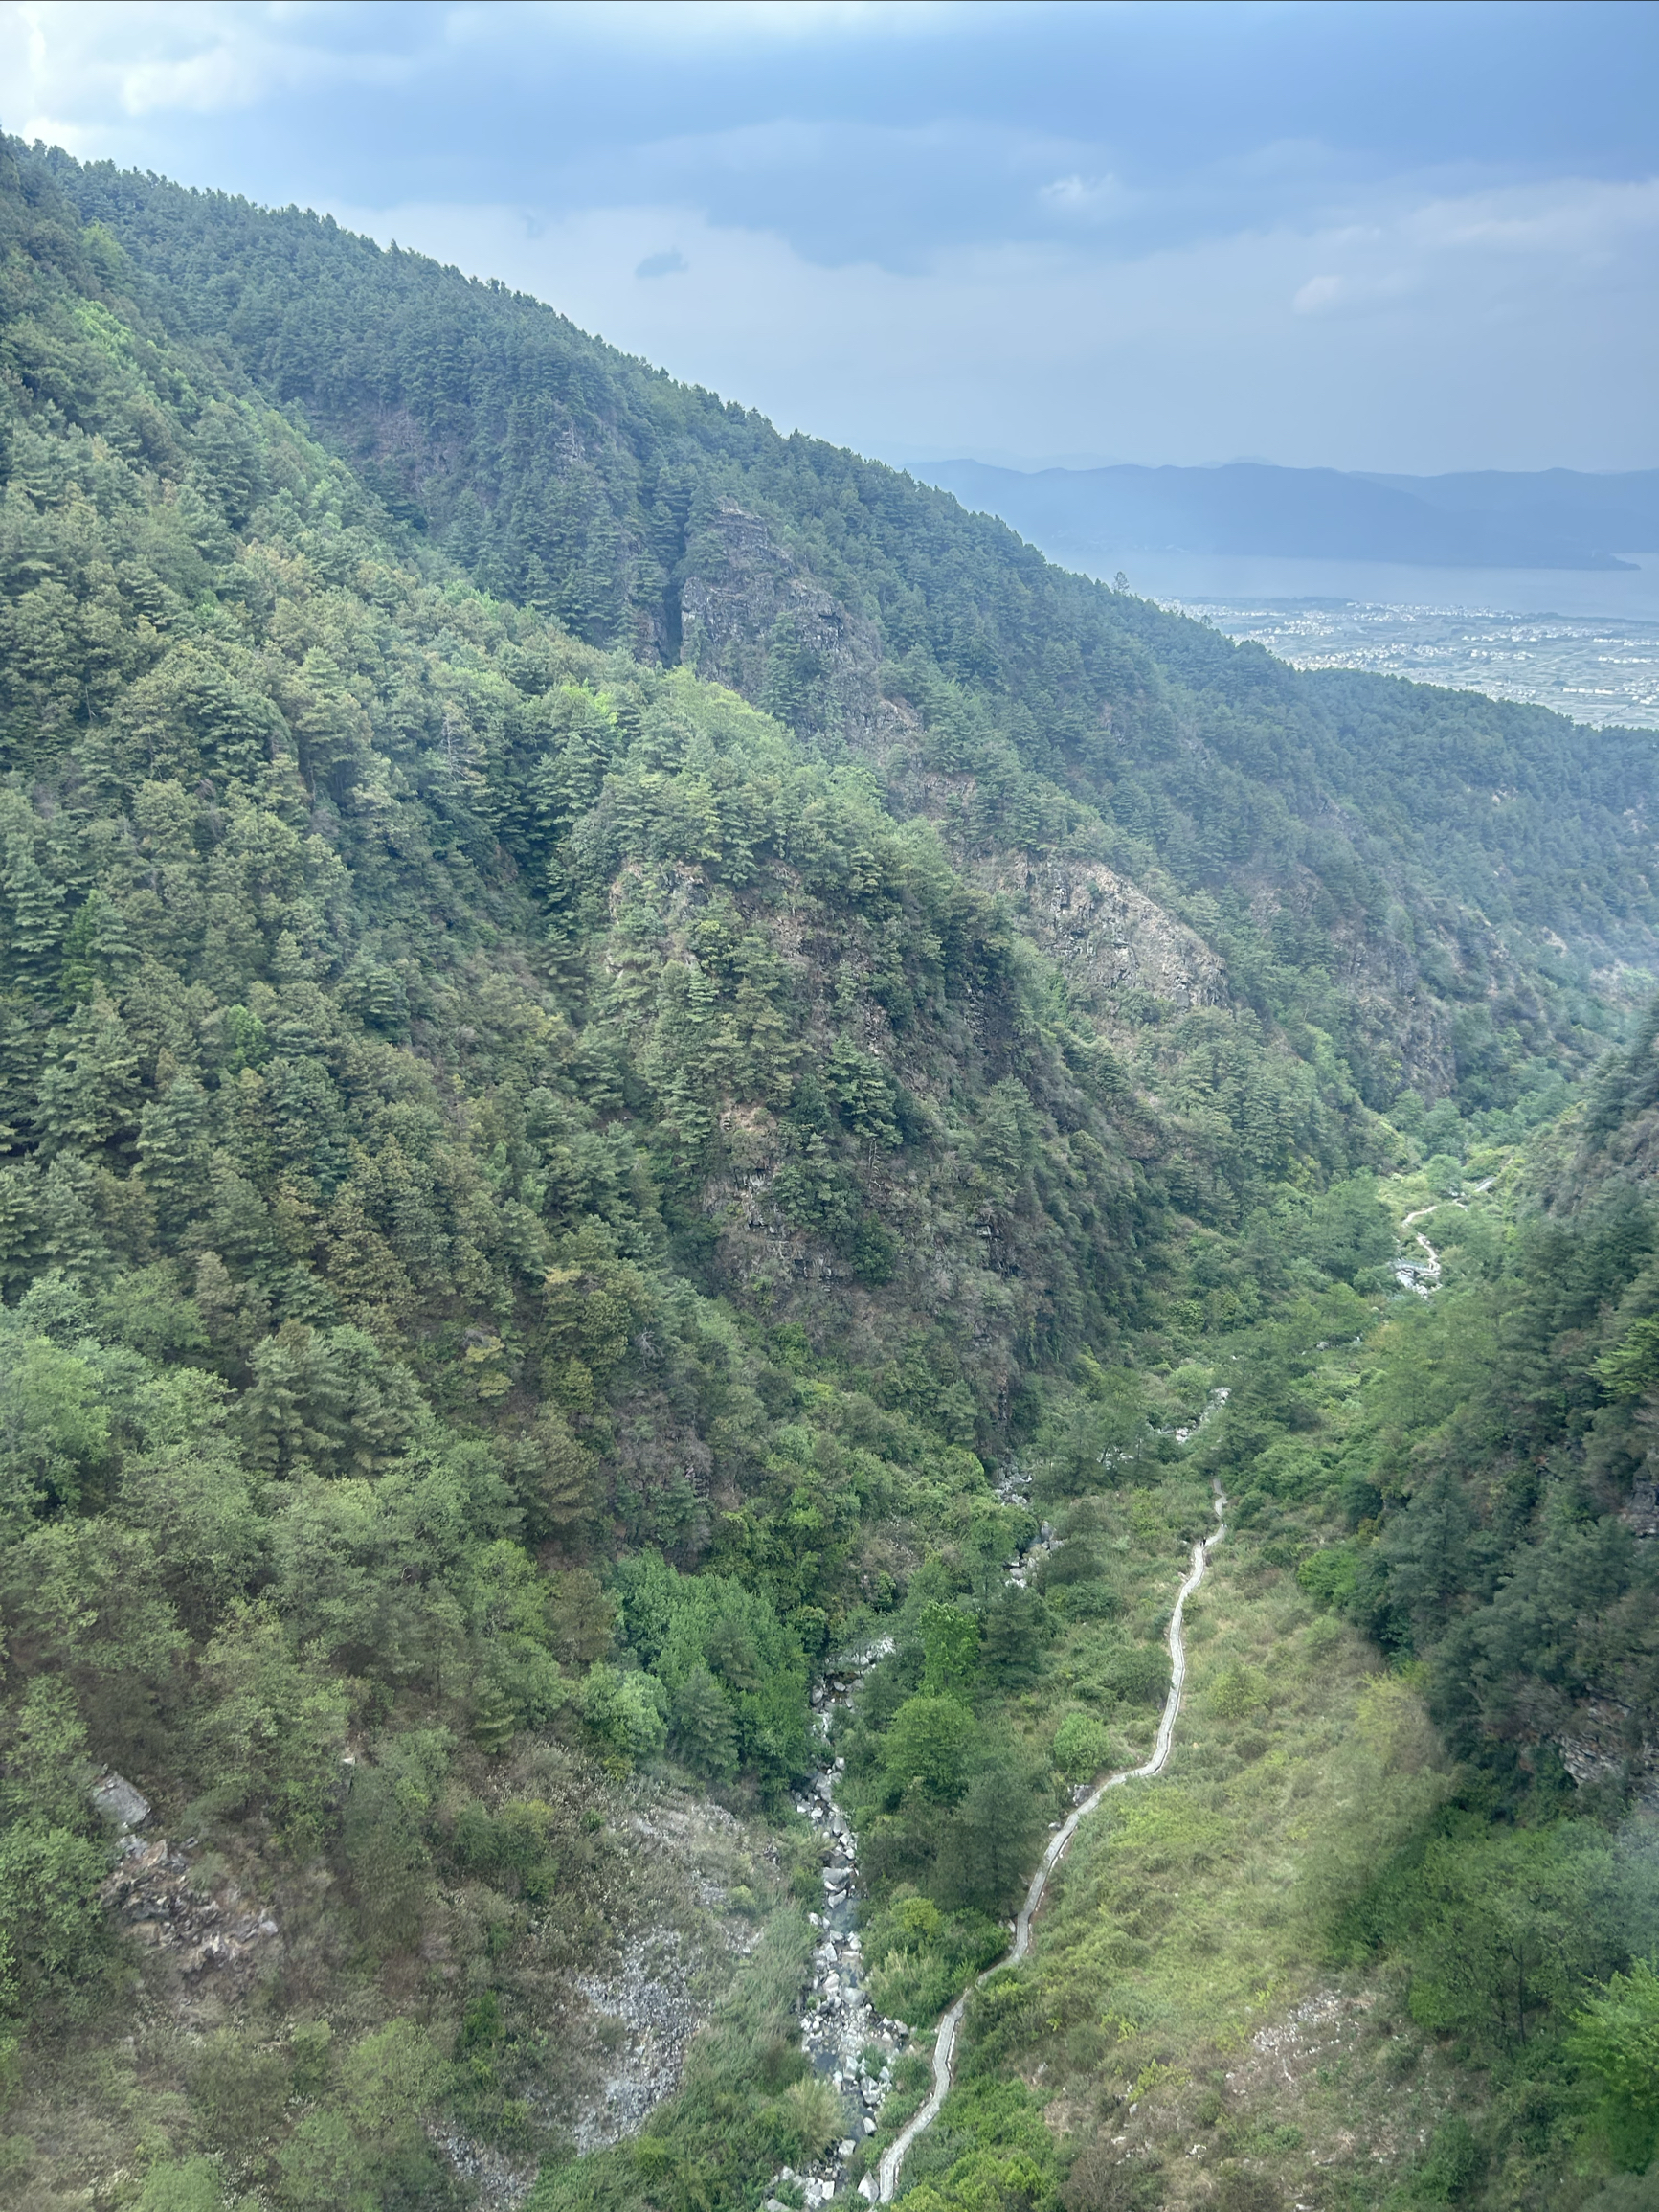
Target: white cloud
column 79, row 68
column 1095, row 199
column 79, row 65
column 1584, row 220
column 1317, row 294
column 1357, row 293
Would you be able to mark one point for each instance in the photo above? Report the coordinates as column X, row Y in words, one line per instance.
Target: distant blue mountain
column 1555, row 518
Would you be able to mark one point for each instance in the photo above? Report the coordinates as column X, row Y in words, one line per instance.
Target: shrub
column 1081, row 1746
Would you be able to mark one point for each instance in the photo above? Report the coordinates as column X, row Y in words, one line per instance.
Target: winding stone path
column 881, row 2186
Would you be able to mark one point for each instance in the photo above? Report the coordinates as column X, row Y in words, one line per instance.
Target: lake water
column 1584, row 642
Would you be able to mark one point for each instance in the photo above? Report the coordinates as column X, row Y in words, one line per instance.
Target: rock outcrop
column 1106, row 933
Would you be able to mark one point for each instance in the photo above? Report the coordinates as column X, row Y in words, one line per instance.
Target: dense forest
column 1434, row 883
column 630, row 1050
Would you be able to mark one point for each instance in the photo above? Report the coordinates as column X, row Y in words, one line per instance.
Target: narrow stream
column 850, row 2044
column 841, row 2033
column 1423, row 1275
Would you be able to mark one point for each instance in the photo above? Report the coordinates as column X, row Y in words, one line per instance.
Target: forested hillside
column 1469, row 1479
column 1433, row 883
column 627, row 1048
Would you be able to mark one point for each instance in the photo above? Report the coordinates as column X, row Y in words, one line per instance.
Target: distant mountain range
column 1555, row 518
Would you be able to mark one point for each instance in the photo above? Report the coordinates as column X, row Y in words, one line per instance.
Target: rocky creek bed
column 840, row 2030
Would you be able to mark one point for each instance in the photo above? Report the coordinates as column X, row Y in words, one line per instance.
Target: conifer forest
column 672, row 1121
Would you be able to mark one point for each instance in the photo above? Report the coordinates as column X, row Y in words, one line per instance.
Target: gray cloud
column 1396, row 237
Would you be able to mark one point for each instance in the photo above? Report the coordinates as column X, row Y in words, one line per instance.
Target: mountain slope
column 400, row 1003
column 544, row 1194
column 1396, row 868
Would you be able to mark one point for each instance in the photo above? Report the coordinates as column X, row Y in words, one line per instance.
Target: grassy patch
column 1177, row 2015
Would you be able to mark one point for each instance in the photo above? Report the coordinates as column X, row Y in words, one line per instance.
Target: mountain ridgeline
column 1555, row 518
column 626, row 1046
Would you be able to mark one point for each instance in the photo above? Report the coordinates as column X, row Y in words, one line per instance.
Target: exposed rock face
column 623, row 2044
column 1603, row 1742
column 1105, row 933
column 153, row 1895
column 748, row 612
column 497, row 2182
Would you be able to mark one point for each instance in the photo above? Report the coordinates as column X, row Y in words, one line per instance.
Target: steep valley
column 644, row 1071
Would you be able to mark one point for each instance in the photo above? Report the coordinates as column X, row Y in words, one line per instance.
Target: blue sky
column 1399, row 236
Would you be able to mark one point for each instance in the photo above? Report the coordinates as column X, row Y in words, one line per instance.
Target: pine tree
column 34, row 920
column 19, row 1228
column 493, row 1727
column 88, row 1086
column 69, row 1234
column 704, row 1734
column 363, row 1268
column 173, row 1150
column 96, row 947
